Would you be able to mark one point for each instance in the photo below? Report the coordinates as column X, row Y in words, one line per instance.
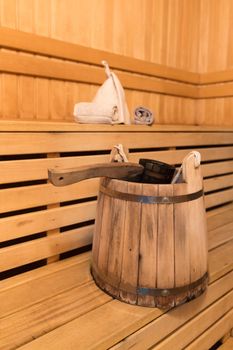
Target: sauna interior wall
column 188, row 35
column 215, row 55
column 119, row 26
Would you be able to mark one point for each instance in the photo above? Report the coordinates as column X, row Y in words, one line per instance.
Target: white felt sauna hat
column 108, row 106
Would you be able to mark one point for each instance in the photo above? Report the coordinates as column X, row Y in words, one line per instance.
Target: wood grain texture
column 164, row 50
column 124, row 320
column 71, row 278
column 190, row 42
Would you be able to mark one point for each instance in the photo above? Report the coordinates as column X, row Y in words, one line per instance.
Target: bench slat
column 228, row 345
column 222, row 215
column 38, row 195
column 44, row 220
column 18, row 143
column 195, row 327
column 78, row 272
column 225, row 264
column 145, row 338
column 62, row 126
column 73, row 303
column 220, row 235
column 219, row 182
column 53, row 279
column 41, row 248
column 123, row 319
column 217, row 168
column 36, row 169
column 218, row 198
column 214, row 333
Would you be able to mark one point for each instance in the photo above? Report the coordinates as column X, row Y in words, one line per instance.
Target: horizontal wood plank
column 122, row 320
column 39, row 195
column 221, row 235
column 216, row 77
column 216, row 90
column 18, row 143
column 217, row 168
column 44, row 220
column 55, row 278
column 48, row 126
column 37, row 169
column 218, row 198
column 219, row 217
column 227, row 345
column 28, row 252
column 37, row 44
column 83, row 299
column 214, row 333
column 42, row 248
column 183, row 336
column 198, row 325
column 25, row 197
column 35, row 66
column 218, row 182
column 225, row 264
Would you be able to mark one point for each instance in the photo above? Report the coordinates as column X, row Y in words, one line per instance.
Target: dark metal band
column 151, row 199
column 172, row 291
column 142, row 291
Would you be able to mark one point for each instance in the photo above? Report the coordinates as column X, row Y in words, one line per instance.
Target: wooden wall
column 216, row 34
column 161, row 31
column 216, row 55
column 157, row 31
column 188, row 35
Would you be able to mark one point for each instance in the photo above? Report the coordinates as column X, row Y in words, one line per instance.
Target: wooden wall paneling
column 215, row 61
column 42, row 99
column 8, row 13
column 190, row 36
column 9, row 106
column 26, row 15
column 43, row 17
column 42, row 26
column 26, row 97
column 57, row 100
column 215, row 29
column 9, row 83
column 215, row 111
column 26, row 85
column 71, row 99
column 135, row 17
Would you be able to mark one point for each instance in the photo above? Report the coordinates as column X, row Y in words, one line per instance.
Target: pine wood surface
column 190, row 42
column 61, row 126
column 17, row 143
column 131, row 315
column 33, row 208
column 63, row 279
column 227, row 345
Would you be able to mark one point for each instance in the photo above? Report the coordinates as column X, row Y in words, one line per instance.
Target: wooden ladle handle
column 113, row 170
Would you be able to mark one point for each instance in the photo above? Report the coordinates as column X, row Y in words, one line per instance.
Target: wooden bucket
column 150, row 241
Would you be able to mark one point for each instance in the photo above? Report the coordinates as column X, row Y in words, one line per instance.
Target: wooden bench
column 48, row 297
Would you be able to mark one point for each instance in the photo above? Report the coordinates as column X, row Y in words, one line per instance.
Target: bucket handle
column 183, row 168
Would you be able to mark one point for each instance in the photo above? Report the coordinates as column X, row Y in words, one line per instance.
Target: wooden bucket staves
column 150, row 241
